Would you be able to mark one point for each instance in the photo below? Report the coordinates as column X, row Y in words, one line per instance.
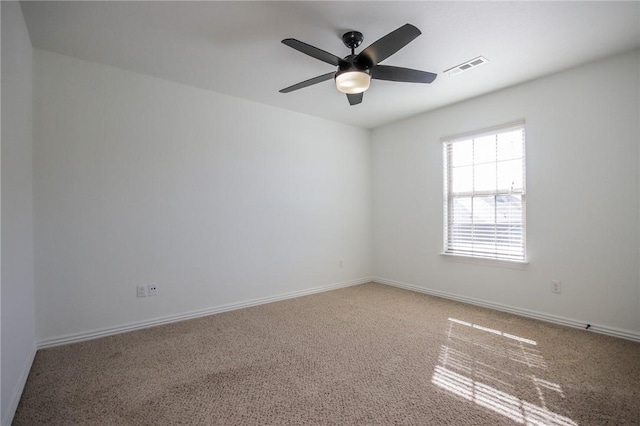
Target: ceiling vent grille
column 472, row 63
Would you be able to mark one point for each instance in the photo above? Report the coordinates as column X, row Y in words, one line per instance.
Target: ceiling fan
column 355, row 72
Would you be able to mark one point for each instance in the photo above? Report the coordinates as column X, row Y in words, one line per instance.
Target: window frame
column 449, row 196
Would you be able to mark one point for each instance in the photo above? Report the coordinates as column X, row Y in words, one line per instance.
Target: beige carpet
column 364, row 355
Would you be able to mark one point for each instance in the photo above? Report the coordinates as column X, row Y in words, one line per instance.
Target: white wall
column 17, row 306
column 582, row 201
column 216, row 199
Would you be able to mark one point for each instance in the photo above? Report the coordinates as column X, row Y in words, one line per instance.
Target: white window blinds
column 485, row 193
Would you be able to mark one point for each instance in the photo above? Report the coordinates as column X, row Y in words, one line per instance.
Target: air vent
column 472, row 63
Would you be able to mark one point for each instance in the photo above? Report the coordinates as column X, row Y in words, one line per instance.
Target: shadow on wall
column 501, row 372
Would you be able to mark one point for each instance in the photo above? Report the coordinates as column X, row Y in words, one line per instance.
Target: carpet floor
column 363, row 355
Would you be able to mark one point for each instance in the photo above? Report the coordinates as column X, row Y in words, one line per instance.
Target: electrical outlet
column 341, row 263
column 142, row 291
column 556, row 286
column 153, row 289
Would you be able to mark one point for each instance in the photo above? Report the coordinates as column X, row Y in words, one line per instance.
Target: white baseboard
column 611, row 331
column 95, row 334
column 7, row 416
column 109, row 331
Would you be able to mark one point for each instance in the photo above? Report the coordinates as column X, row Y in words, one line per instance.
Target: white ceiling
column 234, row 47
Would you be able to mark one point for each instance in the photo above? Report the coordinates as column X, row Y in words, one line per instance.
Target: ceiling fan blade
column 314, row 52
column 310, row 82
column 355, row 99
column 407, row 75
column 381, row 49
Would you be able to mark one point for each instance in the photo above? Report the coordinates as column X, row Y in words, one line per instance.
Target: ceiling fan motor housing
column 351, row 77
column 351, row 64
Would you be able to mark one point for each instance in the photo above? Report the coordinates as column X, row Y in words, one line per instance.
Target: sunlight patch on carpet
column 492, row 373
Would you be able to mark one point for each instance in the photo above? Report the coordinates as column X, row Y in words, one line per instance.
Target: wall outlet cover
column 142, row 291
column 153, row 289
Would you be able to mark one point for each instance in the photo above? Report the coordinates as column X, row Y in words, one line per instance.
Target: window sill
column 513, row 264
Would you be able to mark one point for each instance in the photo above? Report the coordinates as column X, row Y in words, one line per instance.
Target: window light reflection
column 463, row 374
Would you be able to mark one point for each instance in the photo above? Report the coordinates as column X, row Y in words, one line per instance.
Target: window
column 484, row 206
